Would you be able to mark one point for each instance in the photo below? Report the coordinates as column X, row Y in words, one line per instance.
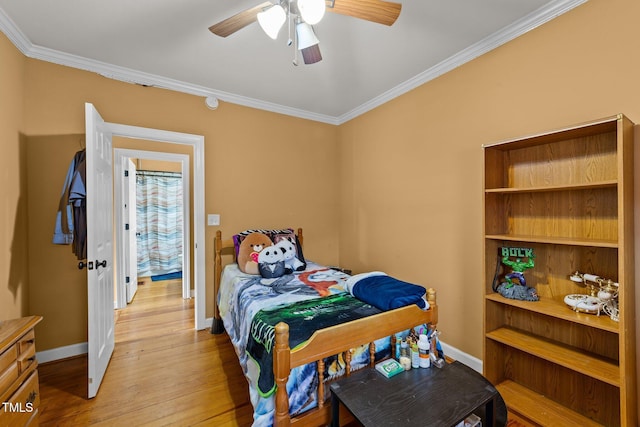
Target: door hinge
column 127, row 279
column 126, row 173
column 126, row 226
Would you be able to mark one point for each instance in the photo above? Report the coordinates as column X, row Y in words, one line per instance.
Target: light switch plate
column 213, row 219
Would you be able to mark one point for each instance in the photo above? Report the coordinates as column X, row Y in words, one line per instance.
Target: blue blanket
column 385, row 292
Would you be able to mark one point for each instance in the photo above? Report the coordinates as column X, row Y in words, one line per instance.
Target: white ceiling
column 166, row 43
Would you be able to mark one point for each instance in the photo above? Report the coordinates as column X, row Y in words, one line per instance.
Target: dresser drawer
column 8, row 357
column 19, row 409
column 26, row 341
column 27, row 356
column 8, row 377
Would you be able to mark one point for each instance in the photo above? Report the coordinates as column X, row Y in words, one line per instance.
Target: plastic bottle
column 405, row 355
column 415, row 356
column 423, row 349
column 404, row 349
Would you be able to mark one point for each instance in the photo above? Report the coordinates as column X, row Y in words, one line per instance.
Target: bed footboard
column 333, row 340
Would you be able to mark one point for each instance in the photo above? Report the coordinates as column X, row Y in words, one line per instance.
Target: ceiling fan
column 303, row 14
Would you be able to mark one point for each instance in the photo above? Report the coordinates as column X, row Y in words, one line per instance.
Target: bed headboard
column 221, row 245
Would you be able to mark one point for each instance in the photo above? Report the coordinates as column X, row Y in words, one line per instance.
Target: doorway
column 196, row 142
column 122, row 157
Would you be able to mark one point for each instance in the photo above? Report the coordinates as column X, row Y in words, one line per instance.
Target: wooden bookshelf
column 568, row 195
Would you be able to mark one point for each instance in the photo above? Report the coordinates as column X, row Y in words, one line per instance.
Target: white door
column 131, row 242
column 99, row 188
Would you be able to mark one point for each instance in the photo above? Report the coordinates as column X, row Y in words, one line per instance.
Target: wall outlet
column 213, row 219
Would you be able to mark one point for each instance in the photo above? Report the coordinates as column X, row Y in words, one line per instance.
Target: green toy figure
column 518, row 267
column 517, row 289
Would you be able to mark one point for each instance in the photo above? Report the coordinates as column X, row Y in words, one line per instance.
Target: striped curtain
column 159, row 222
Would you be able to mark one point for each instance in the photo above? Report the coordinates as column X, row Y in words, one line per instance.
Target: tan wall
column 57, row 288
column 262, row 170
column 13, row 210
column 157, row 165
column 412, row 175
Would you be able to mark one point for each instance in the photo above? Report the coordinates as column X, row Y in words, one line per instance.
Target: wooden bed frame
column 323, row 343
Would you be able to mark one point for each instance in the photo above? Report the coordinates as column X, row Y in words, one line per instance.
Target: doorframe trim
column 197, row 144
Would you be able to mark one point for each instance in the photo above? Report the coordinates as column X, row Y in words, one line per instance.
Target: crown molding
column 510, row 32
column 20, row 40
column 522, row 26
column 13, row 33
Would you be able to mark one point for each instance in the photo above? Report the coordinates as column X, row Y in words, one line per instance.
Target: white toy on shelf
column 602, row 297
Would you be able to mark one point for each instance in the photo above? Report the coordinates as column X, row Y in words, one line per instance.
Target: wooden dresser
column 19, row 391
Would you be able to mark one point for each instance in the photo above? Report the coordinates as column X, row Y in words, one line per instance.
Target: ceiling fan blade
column 238, row 21
column 382, row 12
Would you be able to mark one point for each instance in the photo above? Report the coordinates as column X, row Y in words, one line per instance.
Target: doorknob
column 102, row 264
column 87, row 265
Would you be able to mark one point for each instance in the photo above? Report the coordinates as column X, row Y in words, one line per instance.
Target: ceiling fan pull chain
column 289, row 40
column 295, row 48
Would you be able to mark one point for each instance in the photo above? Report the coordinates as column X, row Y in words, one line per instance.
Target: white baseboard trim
column 82, row 348
column 462, row 357
column 62, row 352
column 77, row 349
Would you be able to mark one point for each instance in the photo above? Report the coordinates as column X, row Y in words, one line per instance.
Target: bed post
column 300, row 238
column 281, row 370
column 431, row 299
column 216, row 325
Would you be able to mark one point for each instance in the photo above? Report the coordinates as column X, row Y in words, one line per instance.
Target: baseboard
column 62, row 352
column 462, row 357
column 77, row 349
column 82, row 348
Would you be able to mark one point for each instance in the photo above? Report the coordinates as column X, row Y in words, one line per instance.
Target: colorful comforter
column 317, row 296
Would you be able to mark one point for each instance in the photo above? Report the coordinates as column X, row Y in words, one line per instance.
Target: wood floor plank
column 162, row 372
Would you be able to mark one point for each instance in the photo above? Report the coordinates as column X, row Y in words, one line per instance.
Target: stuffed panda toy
column 289, row 253
column 271, row 262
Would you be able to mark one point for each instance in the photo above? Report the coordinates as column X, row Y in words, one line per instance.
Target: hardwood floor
column 162, row 372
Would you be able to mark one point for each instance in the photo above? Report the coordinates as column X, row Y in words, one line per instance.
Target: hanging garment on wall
column 63, row 229
column 71, row 219
column 78, row 200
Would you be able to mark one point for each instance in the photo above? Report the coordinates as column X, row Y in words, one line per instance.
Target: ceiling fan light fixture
column 306, row 36
column 272, row 20
column 308, row 43
column 311, row 11
column 311, row 55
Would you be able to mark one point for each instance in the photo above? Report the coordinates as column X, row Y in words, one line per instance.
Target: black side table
column 419, row 397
